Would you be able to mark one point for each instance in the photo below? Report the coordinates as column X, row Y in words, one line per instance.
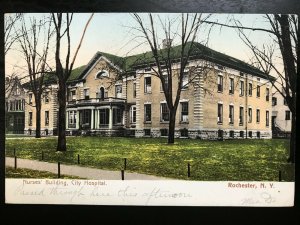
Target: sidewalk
column 83, row 172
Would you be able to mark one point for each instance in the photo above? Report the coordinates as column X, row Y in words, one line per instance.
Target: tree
column 186, row 30
column 9, row 35
column 35, row 53
column 284, row 32
column 63, row 73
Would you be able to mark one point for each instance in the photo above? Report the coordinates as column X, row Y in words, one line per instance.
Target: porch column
column 77, row 119
column 96, row 118
column 110, row 118
column 92, row 119
column 67, row 119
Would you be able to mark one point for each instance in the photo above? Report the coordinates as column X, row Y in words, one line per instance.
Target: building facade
column 281, row 116
column 230, row 100
column 48, row 111
column 14, row 106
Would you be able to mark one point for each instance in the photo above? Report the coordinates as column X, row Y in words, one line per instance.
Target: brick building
column 115, row 96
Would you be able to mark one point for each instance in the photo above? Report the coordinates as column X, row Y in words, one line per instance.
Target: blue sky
column 113, row 33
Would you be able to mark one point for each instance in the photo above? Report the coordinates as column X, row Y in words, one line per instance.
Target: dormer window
column 101, row 74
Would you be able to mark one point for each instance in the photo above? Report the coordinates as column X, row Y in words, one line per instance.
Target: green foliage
column 251, row 160
column 27, row 173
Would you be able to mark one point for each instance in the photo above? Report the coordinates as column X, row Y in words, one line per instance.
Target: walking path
column 83, row 172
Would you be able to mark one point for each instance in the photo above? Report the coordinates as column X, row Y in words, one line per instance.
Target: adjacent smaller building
column 281, row 117
column 14, row 106
column 48, row 110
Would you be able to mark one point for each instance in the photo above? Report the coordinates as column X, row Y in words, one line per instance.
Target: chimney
column 167, row 43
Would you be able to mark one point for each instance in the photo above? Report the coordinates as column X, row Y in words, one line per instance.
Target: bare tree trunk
column 38, row 119
column 61, row 144
column 291, row 158
column 172, row 127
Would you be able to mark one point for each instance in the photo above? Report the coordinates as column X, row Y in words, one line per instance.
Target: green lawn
column 252, row 160
column 10, row 172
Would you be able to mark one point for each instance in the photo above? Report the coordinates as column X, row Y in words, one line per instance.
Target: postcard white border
column 152, row 193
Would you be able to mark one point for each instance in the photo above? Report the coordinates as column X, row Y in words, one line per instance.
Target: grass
column 10, row 172
column 251, row 160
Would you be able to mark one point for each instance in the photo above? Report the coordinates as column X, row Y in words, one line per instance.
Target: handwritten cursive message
column 181, row 193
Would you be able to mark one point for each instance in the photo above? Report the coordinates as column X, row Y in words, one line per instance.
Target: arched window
column 101, row 74
column 101, row 93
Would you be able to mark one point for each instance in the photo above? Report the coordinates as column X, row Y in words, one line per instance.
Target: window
column 147, row 109
column 46, row 118
column 250, row 89
column 133, row 114
column 134, row 90
column 72, row 118
column 220, row 83
column 117, row 116
column 257, row 116
column 30, row 119
column 241, row 121
column 220, row 134
column 164, row 132
column 119, row 91
column 86, row 94
column 184, row 132
column 21, row 105
column 47, row 97
column 250, row 115
column 184, row 112
column 241, row 133
column 287, row 115
column 101, row 93
column 258, row 134
column 267, row 94
column 102, row 73
column 258, row 91
column 16, row 102
column 231, row 85
column 267, row 118
column 165, row 77
column 147, row 132
column 241, row 88
column 274, row 101
column 250, row 134
column 231, row 114
column 17, row 90
column 231, row 134
column 104, row 117
column 147, row 85
column 220, row 113
column 284, row 101
column 164, row 112
column 72, row 95
column 30, row 98
column 86, row 116
column 185, row 81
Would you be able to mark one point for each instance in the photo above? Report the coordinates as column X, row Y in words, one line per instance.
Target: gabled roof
column 198, row 51
column 78, row 73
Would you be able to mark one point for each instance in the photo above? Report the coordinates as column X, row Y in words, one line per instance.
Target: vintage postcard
column 170, row 109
